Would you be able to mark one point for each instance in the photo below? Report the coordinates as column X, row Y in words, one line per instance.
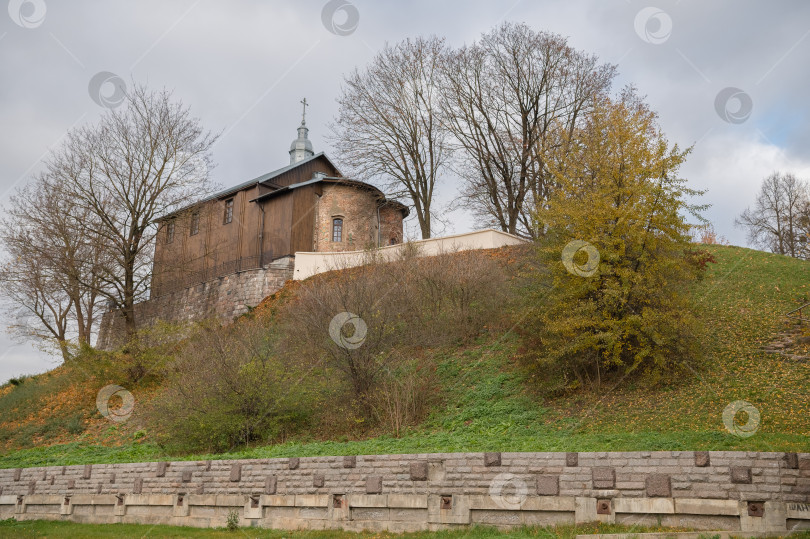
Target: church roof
column 338, row 180
column 250, row 183
column 269, row 176
column 265, row 178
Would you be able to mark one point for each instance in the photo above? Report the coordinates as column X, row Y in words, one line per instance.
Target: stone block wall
column 733, row 491
column 358, row 209
column 222, row 298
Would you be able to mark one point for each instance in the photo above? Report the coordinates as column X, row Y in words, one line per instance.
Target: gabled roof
column 279, row 172
column 264, row 178
column 337, row 180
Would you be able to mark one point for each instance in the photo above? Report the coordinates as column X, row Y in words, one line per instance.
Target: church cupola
column 301, row 148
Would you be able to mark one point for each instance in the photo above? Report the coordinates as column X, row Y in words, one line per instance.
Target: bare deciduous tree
column 778, row 220
column 51, row 272
column 506, row 99
column 387, row 128
column 137, row 164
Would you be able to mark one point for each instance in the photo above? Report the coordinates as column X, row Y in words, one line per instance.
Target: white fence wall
column 309, row 264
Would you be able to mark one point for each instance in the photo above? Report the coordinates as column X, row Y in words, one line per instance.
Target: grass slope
column 487, row 400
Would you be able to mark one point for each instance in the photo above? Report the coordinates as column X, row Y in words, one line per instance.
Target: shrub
column 266, row 377
column 75, row 424
column 229, row 388
column 404, row 395
column 362, row 321
column 233, row 520
column 150, row 350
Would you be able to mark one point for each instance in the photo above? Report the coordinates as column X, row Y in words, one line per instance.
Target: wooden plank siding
column 243, row 243
column 302, row 229
column 277, row 222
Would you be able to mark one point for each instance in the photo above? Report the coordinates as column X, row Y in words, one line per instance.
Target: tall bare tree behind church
column 387, row 128
column 134, row 166
column 509, row 100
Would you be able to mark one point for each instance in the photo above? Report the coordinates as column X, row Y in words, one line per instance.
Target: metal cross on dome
column 304, row 115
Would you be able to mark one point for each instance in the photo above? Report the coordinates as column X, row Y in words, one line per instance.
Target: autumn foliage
column 617, row 305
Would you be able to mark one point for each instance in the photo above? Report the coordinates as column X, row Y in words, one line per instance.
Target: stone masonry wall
column 734, row 491
column 390, row 226
column 357, row 208
column 222, row 298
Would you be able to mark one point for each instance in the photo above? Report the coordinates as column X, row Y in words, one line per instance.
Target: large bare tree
column 779, row 219
column 508, row 99
column 138, row 163
column 387, row 128
column 49, row 278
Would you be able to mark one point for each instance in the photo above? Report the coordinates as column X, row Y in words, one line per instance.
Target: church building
column 307, row 206
column 221, row 256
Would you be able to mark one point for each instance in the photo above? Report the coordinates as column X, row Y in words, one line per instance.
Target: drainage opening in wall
column 756, row 509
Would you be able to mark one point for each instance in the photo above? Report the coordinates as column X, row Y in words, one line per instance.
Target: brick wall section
column 390, row 225
column 745, row 491
column 222, row 298
column 358, row 209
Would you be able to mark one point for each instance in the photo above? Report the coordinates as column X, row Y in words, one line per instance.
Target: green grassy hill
column 487, row 398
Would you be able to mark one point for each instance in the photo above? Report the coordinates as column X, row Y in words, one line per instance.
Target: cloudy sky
column 729, row 77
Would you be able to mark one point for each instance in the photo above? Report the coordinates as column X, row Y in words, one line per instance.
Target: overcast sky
column 729, row 77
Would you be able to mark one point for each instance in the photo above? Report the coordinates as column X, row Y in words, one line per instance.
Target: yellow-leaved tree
column 616, row 248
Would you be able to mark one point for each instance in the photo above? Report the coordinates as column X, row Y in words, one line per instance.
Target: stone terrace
column 735, row 491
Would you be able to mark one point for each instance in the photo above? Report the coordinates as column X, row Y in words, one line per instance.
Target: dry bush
column 389, row 307
column 404, row 395
column 229, row 387
column 150, row 350
column 706, row 235
column 267, row 376
column 459, row 294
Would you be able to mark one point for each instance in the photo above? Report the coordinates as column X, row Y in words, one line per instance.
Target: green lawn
column 50, row 529
column 487, row 403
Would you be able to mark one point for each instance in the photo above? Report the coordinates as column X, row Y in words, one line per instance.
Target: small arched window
column 393, row 240
column 337, row 229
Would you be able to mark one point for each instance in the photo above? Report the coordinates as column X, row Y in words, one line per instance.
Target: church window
column 195, row 223
column 393, row 241
column 337, row 229
column 228, row 211
column 170, row 231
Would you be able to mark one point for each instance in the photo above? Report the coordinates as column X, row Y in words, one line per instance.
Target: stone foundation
column 732, row 491
column 223, row 298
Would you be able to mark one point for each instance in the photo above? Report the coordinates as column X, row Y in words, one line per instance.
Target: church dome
column 302, row 142
column 301, row 148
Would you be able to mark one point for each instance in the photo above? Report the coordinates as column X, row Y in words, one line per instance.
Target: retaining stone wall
column 222, row 298
column 734, row 491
